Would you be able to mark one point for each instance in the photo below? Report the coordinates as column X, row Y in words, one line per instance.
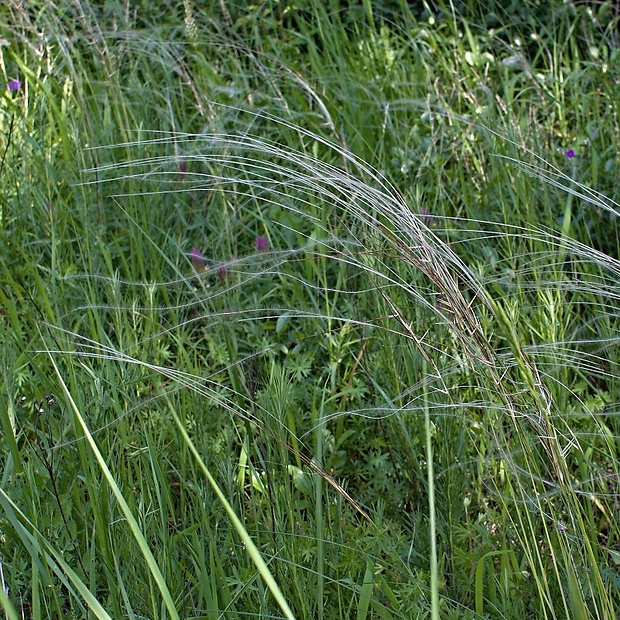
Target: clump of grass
column 401, row 401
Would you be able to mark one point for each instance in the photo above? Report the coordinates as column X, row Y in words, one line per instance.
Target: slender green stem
column 318, row 489
column 432, row 530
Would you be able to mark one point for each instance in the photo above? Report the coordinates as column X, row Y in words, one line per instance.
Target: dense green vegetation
column 309, row 309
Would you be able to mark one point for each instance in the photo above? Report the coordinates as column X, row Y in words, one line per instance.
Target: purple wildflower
column 570, row 153
column 261, row 244
column 223, row 271
column 182, row 168
column 198, row 260
column 14, row 85
column 427, row 218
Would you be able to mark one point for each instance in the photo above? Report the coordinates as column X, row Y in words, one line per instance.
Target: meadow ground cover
column 309, row 310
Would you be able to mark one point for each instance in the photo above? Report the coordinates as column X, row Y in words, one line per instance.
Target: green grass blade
column 7, row 606
column 366, row 592
column 251, row 548
column 34, row 539
column 131, row 520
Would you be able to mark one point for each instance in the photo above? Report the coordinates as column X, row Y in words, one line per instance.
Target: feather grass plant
column 401, row 403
